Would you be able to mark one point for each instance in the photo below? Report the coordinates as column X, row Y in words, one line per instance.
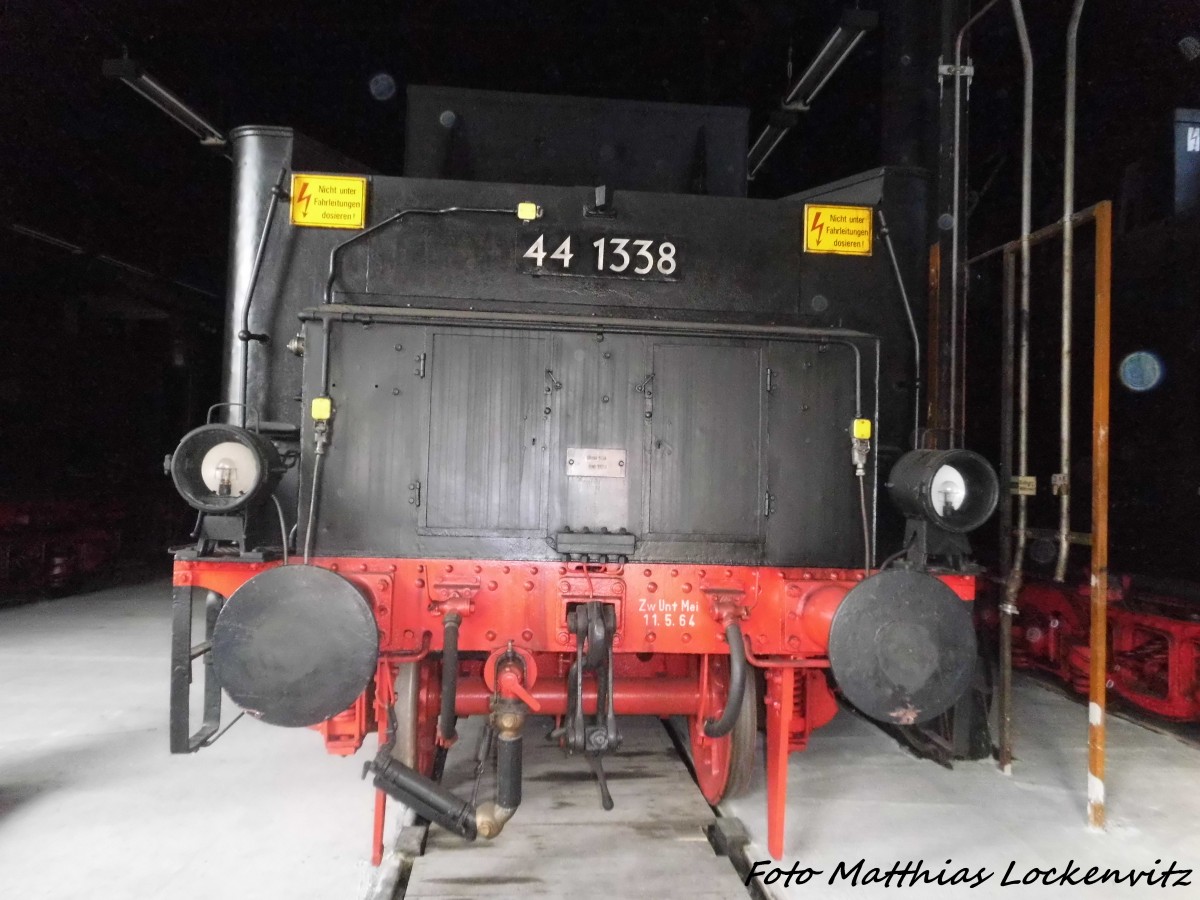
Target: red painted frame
column 1154, row 649
column 676, row 612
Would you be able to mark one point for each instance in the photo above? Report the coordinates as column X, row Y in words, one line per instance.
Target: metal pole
column 1013, row 585
column 1101, row 363
column 1007, row 377
column 912, row 327
column 1045, row 233
column 1006, row 465
column 1064, row 428
column 955, row 227
column 132, row 74
column 245, row 336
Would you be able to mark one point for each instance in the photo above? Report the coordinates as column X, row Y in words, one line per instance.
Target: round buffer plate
column 902, row 647
column 295, row 645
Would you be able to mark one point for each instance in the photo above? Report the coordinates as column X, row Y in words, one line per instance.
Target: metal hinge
column 645, row 390
column 768, row 500
column 770, row 379
column 414, row 493
column 419, row 371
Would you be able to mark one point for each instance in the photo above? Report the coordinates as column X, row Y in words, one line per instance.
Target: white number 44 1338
column 614, row 254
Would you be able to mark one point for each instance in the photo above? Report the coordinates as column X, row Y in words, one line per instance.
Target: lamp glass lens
column 948, row 490
column 230, row 469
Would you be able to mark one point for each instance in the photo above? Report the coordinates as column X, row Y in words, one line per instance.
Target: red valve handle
column 509, row 684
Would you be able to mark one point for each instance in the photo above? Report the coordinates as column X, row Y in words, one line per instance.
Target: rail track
column 660, row 839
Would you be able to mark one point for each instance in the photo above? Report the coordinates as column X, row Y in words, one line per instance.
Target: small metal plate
column 1024, row 485
column 595, row 462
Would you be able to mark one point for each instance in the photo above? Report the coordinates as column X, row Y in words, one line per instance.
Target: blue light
column 383, row 86
column 1141, row 371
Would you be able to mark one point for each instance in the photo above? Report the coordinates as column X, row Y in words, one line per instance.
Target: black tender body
column 465, row 380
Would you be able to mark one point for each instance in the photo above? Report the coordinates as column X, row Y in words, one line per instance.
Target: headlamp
column 956, row 490
column 222, row 469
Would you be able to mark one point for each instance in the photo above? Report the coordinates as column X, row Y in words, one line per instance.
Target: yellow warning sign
column 837, row 229
column 329, row 201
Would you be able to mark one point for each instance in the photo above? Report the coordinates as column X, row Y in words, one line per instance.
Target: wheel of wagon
column 418, row 696
column 724, row 765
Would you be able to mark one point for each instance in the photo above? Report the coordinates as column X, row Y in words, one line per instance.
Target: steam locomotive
column 560, row 423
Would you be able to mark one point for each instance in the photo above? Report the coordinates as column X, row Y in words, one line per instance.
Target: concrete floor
column 854, row 794
column 561, row 843
column 92, row 804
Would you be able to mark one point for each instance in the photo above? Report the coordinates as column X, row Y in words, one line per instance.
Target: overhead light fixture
column 854, row 24
column 1189, row 46
column 131, row 73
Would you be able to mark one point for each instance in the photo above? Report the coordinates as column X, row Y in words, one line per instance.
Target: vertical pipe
column 386, row 736
column 961, row 357
column 1006, row 512
column 912, row 327
column 244, row 333
column 447, row 732
column 1005, row 736
column 952, row 14
column 1101, row 365
column 875, row 466
column 508, row 771
column 905, row 58
column 258, row 153
column 377, row 827
column 952, row 407
column 1064, row 427
column 956, row 228
column 1007, row 377
column 781, row 699
column 1013, row 585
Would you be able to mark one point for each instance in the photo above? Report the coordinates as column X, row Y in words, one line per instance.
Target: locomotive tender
column 605, row 441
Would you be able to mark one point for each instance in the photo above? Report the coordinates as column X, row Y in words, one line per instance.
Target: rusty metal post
column 1101, row 365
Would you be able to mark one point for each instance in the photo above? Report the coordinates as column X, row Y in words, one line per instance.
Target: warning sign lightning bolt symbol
column 817, row 225
column 304, row 198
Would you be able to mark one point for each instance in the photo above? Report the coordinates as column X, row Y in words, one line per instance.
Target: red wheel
column 724, row 765
column 418, row 700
